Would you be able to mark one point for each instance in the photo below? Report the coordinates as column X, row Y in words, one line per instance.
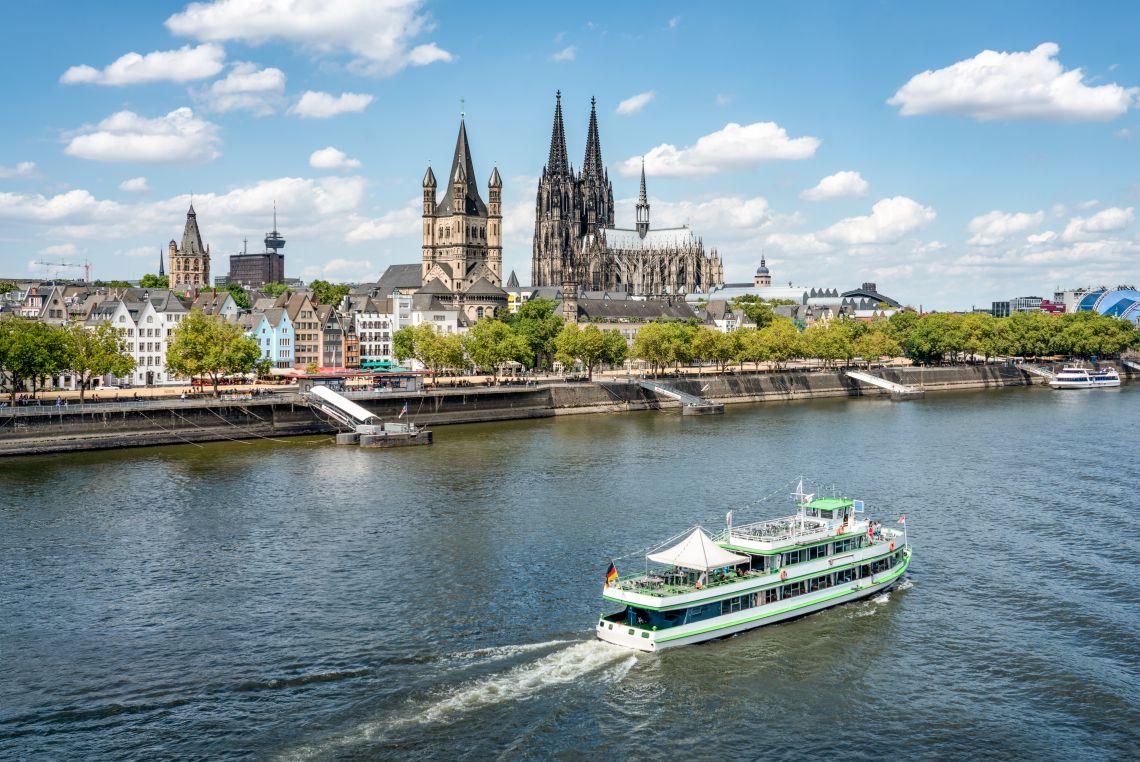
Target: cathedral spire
column 642, row 205
column 467, row 199
column 161, row 264
column 558, row 164
column 592, row 164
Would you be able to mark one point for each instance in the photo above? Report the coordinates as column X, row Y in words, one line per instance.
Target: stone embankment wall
column 27, row 431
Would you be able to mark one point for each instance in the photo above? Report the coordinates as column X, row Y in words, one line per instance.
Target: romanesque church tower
column 462, row 236
column 190, row 263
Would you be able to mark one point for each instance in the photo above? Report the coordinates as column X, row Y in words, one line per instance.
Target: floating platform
column 711, row 408
column 396, row 439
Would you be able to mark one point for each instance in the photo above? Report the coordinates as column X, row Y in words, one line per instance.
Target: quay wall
column 37, row 430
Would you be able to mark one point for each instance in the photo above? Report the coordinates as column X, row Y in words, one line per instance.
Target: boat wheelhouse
column 1083, row 378
column 700, row 587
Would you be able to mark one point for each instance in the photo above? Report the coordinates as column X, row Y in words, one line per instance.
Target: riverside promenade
column 165, row 421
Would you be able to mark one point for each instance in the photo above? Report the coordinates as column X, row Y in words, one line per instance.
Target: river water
column 299, row 601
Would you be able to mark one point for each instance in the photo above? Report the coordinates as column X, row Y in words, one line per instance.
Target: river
column 300, row 601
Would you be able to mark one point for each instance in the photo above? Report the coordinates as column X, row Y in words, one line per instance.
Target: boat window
column 817, row 551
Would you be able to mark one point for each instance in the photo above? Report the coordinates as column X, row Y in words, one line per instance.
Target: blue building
column 273, row 331
column 1121, row 302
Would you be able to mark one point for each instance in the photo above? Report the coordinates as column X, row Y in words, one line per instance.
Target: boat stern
column 621, row 634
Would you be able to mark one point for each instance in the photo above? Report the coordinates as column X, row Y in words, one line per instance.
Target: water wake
column 563, row 666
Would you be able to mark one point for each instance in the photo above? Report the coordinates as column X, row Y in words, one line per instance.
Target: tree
column 651, row 343
column 7, row 285
column 150, row 280
column 590, row 346
column 240, row 295
column 876, row 345
column 830, row 341
column 750, row 347
column 207, row 345
column 537, row 324
column 31, row 351
column 711, row 344
column 95, row 353
column 780, row 342
column 276, row 289
column 404, row 344
column 490, row 343
column 112, row 284
column 328, row 293
column 755, row 309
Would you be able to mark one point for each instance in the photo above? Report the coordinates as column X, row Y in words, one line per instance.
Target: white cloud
column 317, row 105
column 247, row 87
column 1108, row 220
column 1045, row 237
column 376, row 34
column 635, row 103
column 1084, row 205
column 341, row 270
column 125, row 136
column 890, row 220
column 183, row 65
column 712, row 217
column 994, row 227
column 74, row 205
column 59, row 250
column 134, row 185
column 734, row 147
column 23, row 169
column 398, row 222
column 566, row 54
column 1020, row 85
column 723, row 99
column 840, row 185
column 332, row 158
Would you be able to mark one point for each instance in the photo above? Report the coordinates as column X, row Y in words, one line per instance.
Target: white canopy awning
column 697, row 551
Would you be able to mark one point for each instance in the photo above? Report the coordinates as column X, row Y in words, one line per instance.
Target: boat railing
column 777, row 530
column 661, row 584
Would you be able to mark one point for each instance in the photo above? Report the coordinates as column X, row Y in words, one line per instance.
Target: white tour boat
column 1083, row 378
column 702, row 588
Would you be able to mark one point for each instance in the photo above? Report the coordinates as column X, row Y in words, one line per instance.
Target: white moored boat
column 1083, row 378
column 702, row 588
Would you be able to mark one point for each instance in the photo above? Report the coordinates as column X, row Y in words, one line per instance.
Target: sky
column 953, row 153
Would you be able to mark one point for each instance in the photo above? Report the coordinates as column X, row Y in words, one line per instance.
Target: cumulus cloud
column 23, row 169
column 635, row 103
column 247, row 87
column 376, row 35
column 178, row 137
column 734, row 147
column 60, row 250
column 316, row 105
column 1045, row 237
column 75, row 205
column 840, row 185
column 341, row 270
column 1021, row 85
column 183, row 65
column 890, row 221
column 994, row 227
column 332, row 158
column 566, row 54
column 1108, row 220
column 134, row 185
column 1085, row 205
column 392, row 224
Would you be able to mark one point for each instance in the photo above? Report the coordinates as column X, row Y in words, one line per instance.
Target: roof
column 662, row 238
column 874, row 296
column 698, row 552
column 829, row 504
column 637, row 309
column 399, row 277
column 513, row 281
column 462, row 168
column 191, row 238
column 483, row 287
column 434, row 287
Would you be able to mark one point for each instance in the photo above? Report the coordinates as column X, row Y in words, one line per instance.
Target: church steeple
column 462, row 195
column 557, row 163
column 161, row 264
column 642, row 205
column 592, row 165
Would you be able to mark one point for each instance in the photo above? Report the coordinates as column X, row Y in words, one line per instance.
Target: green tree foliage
column 830, row 341
column 755, row 309
column 874, row 346
column 436, row 351
column 711, row 345
column 31, row 351
column 590, row 346
column 663, row 344
column 96, row 353
column 150, row 280
column 207, row 345
column 111, row 284
column 329, row 293
column 537, row 324
column 780, row 342
column 240, row 295
column 7, row 285
column 490, row 343
column 276, row 289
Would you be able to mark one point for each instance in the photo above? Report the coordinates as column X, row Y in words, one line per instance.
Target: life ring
column 891, row 547
column 783, row 574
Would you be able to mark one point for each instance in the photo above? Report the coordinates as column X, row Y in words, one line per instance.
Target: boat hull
column 1105, row 384
column 730, row 624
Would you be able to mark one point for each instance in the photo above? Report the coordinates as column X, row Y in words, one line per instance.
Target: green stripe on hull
column 895, row 573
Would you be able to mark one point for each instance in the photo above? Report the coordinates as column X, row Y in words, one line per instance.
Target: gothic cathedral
column 190, row 263
column 576, row 243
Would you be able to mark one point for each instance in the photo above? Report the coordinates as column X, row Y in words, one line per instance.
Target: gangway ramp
column 898, row 391
column 1037, row 370
column 1132, row 364
column 340, row 408
column 691, row 404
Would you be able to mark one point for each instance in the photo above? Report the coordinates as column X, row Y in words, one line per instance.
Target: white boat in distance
column 702, row 588
column 1083, row 378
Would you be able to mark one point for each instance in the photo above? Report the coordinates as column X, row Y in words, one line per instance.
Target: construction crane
column 85, row 266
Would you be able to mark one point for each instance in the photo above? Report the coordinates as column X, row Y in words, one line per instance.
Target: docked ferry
column 702, row 587
column 1083, row 378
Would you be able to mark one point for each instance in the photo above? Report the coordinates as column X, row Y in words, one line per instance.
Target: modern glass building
column 1123, row 302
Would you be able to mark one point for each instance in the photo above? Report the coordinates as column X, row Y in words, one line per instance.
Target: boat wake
column 564, row 666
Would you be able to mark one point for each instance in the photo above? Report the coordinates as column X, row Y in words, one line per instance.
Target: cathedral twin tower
column 576, row 244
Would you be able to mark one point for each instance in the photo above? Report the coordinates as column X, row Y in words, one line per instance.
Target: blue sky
column 954, row 153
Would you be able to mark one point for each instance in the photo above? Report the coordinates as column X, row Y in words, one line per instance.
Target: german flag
column 611, row 574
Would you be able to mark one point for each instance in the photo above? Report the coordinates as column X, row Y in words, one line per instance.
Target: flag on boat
column 902, row 519
column 728, row 519
column 858, row 504
column 403, row 410
column 611, row 574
